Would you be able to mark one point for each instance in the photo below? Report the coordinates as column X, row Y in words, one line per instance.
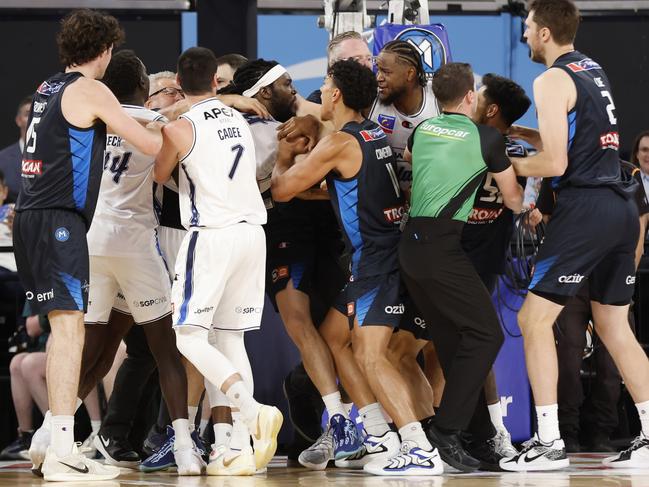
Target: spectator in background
column 7, row 260
column 11, row 156
column 640, row 157
column 226, row 65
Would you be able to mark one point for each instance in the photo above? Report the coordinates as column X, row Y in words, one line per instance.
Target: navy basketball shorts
column 376, row 300
column 591, row 239
column 52, row 258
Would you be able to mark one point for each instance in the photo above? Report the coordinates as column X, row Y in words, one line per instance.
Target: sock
column 222, row 434
column 348, row 408
column 181, row 431
column 643, row 412
column 95, row 424
column 334, row 404
column 192, row 411
column 386, row 416
column 547, row 418
column 496, row 415
column 414, row 432
column 62, row 435
column 240, row 432
column 47, row 421
column 203, row 426
column 373, row 420
column 242, row 399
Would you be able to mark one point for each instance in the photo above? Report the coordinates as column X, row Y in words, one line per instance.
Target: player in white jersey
column 220, row 267
column 125, row 256
column 405, row 100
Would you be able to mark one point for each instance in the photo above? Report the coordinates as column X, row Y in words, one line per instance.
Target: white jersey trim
column 193, row 138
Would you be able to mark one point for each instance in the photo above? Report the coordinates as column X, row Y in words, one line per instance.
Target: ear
column 412, row 74
column 266, row 93
column 492, row 110
column 545, row 34
column 336, row 95
column 214, row 83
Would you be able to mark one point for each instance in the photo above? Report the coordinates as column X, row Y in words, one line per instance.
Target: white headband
column 269, row 78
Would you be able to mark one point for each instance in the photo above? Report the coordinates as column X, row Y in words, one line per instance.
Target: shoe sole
column 240, row 471
column 110, row 460
column 313, row 466
column 269, row 422
column 360, row 464
column 414, row 472
column 80, row 477
column 156, row 469
column 457, row 465
column 555, row 465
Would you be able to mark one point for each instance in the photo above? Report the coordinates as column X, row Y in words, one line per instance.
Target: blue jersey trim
column 297, row 272
column 74, row 288
column 541, row 269
column 81, row 154
column 189, row 279
column 192, row 197
column 347, row 192
column 572, row 127
column 364, row 303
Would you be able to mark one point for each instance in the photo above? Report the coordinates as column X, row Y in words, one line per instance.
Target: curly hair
column 356, row 82
column 509, row 96
column 125, row 74
column 85, row 35
column 249, row 73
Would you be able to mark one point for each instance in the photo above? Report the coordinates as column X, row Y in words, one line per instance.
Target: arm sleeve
column 494, row 152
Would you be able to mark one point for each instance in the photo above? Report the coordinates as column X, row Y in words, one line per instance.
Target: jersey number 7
column 239, row 152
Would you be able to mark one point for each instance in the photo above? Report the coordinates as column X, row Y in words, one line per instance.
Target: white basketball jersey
column 218, row 183
column 264, row 133
column 125, row 220
column 398, row 127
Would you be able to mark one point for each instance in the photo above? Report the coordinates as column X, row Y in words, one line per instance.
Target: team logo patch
column 279, row 273
column 583, row 65
column 31, row 167
column 48, row 89
column 387, row 123
column 350, row 309
column 610, row 140
column 374, row 134
column 62, row 234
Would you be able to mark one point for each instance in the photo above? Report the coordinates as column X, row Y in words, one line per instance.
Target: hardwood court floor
column 585, row 471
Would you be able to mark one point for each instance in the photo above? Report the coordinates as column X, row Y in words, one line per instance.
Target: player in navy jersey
column 592, row 236
column 360, row 170
column 61, row 170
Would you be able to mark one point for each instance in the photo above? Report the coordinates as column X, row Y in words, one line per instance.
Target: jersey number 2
column 610, row 107
column 239, row 152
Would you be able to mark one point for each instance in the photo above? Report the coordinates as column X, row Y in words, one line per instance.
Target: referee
column 450, row 155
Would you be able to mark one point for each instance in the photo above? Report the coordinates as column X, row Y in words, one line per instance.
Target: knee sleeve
column 232, row 345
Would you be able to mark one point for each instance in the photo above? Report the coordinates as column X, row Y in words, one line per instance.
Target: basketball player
column 226, row 66
column 61, row 171
column 223, row 210
column 359, row 167
column 592, row 234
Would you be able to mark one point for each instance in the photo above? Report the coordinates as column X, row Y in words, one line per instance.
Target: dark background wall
column 621, row 46
column 29, row 53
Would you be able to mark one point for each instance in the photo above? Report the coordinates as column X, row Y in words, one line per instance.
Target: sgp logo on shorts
column 395, row 310
column 248, row 310
column 149, row 302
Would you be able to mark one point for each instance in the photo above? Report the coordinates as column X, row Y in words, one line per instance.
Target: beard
column 393, row 96
column 537, row 56
column 282, row 112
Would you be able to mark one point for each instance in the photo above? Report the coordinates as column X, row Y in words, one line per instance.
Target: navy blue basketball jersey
column 62, row 164
column 369, row 206
column 593, row 138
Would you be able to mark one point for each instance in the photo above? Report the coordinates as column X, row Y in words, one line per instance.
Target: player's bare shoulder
column 80, row 101
column 555, row 83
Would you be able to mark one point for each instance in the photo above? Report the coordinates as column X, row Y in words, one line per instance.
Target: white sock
column 222, row 434
column 643, row 412
column 181, row 431
column 334, row 404
column 203, row 425
column 192, row 411
column 414, row 432
column 386, row 416
column 240, row 433
column 373, row 420
column 47, row 420
column 242, row 399
column 95, row 424
column 496, row 415
column 547, row 418
column 62, row 435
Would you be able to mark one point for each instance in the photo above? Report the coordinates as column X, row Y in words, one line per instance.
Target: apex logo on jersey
column 610, row 140
column 31, row 167
column 395, row 214
column 387, row 123
column 583, row 65
column 47, row 89
column 371, row 135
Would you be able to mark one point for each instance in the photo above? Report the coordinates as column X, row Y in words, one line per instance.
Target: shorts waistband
column 426, row 228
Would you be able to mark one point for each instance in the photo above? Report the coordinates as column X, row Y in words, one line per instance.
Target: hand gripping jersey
column 398, row 127
column 218, row 184
column 369, row 206
column 593, row 139
column 61, row 166
column 125, row 218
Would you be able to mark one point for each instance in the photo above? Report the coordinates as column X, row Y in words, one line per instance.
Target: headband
column 269, row 78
